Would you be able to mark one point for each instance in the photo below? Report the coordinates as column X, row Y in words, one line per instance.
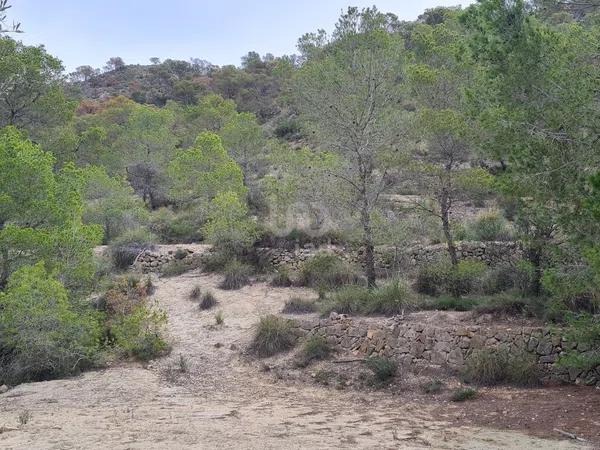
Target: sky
column 89, row 32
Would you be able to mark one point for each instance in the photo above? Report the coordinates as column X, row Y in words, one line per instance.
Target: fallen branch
column 570, row 435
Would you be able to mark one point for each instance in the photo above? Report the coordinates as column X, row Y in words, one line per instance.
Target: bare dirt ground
column 224, row 400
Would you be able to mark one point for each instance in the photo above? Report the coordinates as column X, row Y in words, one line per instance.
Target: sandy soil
column 224, row 400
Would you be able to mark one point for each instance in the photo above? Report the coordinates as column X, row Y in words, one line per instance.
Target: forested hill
column 254, row 86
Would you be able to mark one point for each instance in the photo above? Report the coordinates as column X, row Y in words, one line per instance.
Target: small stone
column 3, row 389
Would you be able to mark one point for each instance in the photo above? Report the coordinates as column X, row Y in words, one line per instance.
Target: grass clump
column 178, row 267
column 208, row 301
column 497, row 366
column 273, row 335
column 195, row 293
column 384, row 369
column 237, row 275
column 446, row 303
column 464, row 394
column 325, row 270
column 219, row 318
column 126, row 248
column 433, row 387
column 281, row 278
column 313, row 349
column 390, row 299
column 297, row 305
column 504, row 305
column 180, row 254
column 443, row 278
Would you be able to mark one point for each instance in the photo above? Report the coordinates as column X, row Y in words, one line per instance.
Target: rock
column 3, row 389
column 545, row 348
column 533, row 344
column 548, row 359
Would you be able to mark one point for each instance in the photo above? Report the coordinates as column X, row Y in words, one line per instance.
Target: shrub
column 177, row 267
column 123, row 296
column 216, row 261
column 464, row 394
column 281, row 278
column 327, row 271
column 296, row 305
column 443, row 278
column 208, row 301
column 583, row 329
column 451, row 304
column 195, row 293
column 383, row 368
column 392, row 298
column 489, row 227
column 350, row 299
column 237, row 275
column 126, row 248
column 42, row 334
column 219, row 318
column 273, row 335
column 180, row 253
column 140, row 334
column 433, row 387
column 497, row 366
column 314, row 348
column 504, row 305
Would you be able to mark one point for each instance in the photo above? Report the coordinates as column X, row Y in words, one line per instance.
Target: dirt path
column 224, row 401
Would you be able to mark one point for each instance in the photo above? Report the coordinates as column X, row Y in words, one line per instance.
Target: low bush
column 208, row 301
column 297, row 305
column 443, row 278
column 325, row 270
column 497, row 366
column 177, row 267
column 273, row 335
column 219, row 318
column 394, row 297
column 383, row 368
column 236, row 275
column 585, row 330
column 195, row 293
column 281, row 278
column 505, row 304
column 215, row 261
column 433, row 387
column 446, row 303
column 140, row 334
column 350, row 299
column 490, row 226
column 180, row 253
column 43, row 335
column 464, row 394
column 314, row 348
column 126, row 248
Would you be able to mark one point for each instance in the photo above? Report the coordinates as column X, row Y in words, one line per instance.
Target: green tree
column 40, row 214
column 348, row 90
column 43, row 335
column 228, row 224
column 111, row 203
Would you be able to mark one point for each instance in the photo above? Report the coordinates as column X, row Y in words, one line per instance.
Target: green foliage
column 297, row 305
column 464, row 394
column 219, row 318
column 273, row 335
column 195, row 293
column 498, row 366
column 584, row 330
column 394, row 297
column 126, row 248
column 140, row 334
column 44, row 334
column 40, row 214
column 314, row 348
column 111, row 203
column 236, row 275
column 327, row 271
column 281, row 278
column 350, row 299
column 443, row 278
column 489, row 227
column 445, row 303
column 384, row 369
column 177, row 267
column 505, row 304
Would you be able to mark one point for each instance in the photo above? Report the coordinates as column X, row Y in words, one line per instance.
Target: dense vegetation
column 495, row 105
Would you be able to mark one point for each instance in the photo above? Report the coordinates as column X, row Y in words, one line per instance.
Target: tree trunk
column 445, row 210
column 369, row 256
column 534, row 256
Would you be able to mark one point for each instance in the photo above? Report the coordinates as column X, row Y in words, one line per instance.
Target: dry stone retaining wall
column 447, row 346
column 492, row 253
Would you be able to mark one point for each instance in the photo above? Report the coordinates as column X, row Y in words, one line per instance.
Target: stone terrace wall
column 492, row 253
column 410, row 342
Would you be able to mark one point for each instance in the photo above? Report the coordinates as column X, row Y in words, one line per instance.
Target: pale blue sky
column 221, row 31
